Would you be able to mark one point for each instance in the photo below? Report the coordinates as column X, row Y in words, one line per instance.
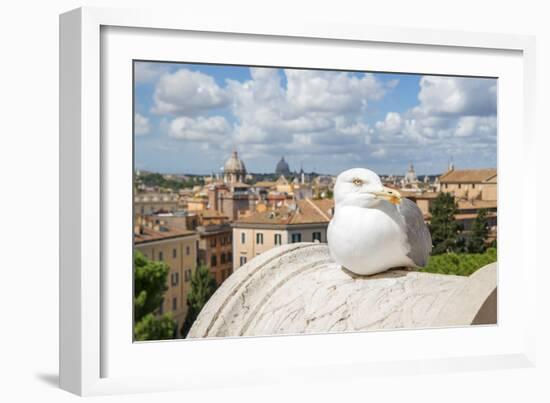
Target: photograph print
column 283, row 201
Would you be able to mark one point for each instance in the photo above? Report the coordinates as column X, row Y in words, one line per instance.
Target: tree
column 460, row 264
column 479, row 233
column 203, row 285
column 153, row 328
column 445, row 231
column 150, row 280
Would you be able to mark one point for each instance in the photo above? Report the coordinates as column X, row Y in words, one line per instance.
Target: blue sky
column 188, row 118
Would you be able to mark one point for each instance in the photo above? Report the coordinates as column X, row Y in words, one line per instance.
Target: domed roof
column 234, row 165
column 282, row 167
column 410, row 177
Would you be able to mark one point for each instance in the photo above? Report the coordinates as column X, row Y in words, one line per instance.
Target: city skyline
column 188, row 118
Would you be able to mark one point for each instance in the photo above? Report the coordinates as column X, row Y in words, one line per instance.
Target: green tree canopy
column 153, row 328
column 203, row 285
column 460, row 264
column 444, row 229
column 479, row 233
column 150, row 280
column 156, row 179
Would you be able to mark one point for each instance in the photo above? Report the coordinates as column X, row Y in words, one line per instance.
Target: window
column 297, row 237
column 243, row 260
column 446, row 185
column 187, row 274
column 213, row 261
column 174, row 253
column 222, row 240
column 161, row 256
column 243, row 237
column 229, row 257
column 187, row 250
column 277, row 239
column 459, row 186
column 213, row 242
column 175, row 278
column 259, row 238
column 473, row 185
column 174, row 303
column 222, row 258
column 316, row 236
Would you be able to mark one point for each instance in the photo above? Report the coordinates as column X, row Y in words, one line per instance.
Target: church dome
column 234, row 165
column 410, row 177
column 282, row 167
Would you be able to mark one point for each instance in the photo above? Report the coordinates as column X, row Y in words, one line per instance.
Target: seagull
column 373, row 228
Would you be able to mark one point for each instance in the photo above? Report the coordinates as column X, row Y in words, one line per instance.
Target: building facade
column 470, row 184
column 147, row 203
column 305, row 221
column 215, row 250
column 178, row 249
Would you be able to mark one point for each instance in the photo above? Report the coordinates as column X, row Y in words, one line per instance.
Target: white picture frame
column 93, row 347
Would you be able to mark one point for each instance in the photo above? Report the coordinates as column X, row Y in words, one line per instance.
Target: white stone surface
column 296, row 288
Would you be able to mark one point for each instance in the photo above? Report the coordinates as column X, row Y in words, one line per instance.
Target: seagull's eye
column 357, row 182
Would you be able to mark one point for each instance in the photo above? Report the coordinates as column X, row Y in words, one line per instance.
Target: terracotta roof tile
column 150, row 235
column 211, row 213
column 469, row 176
column 307, row 212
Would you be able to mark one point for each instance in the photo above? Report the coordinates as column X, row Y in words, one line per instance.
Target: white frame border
column 80, row 164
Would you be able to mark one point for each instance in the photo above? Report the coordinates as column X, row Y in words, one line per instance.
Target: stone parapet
column 297, row 288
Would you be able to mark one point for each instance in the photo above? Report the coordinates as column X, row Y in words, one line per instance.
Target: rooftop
column 418, row 194
column 234, row 164
column 306, row 211
column 148, row 234
column 469, row 176
column 211, row 213
column 265, row 184
column 213, row 229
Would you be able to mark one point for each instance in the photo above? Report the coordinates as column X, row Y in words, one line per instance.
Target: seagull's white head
column 362, row 187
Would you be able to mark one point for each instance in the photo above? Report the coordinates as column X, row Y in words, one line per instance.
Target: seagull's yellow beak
column 391, row 195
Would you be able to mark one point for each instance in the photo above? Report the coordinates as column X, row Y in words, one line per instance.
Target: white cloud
column 331, row 92
column 188, row 93
column 141, row 125
column 449, row 108
column 457, row 96
column 315, row 108
column 321, row 107
column 379, row 153
column 482, row 126
column 393, row 124
column 319, row 113
column 201, row 129
column 145, row 72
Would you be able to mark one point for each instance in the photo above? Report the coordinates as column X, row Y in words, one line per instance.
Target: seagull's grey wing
column 418, row 234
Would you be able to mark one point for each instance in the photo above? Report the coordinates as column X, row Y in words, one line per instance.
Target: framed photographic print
column 333, row 187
